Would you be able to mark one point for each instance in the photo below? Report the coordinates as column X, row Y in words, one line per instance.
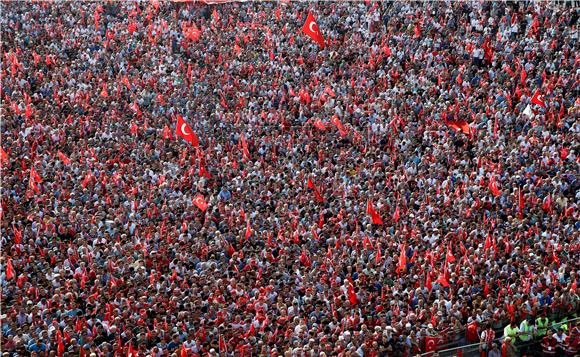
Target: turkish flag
column 9, row 269
column 402, row 264
column 311, row 29
column 248, row 230
column 319, row 124
column 376, row 217
column 65, row 160
column 222, row 346
column 34, row 179
column 450, row 257
column 310, row 184
column 200, row 203
column 431, row 343
column 352, row 295
column 3, row 156
column 459, row 125
column 304, row 259
column 493, row 187
column 341, row 129
column 183, row 130
column 538, row 99
column 17, row 234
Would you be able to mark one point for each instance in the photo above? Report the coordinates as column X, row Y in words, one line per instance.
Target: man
column 560, row 338
column 549, row 345
column 508, row 349
column 486, row 338
column 542, row 325
column 511, row 331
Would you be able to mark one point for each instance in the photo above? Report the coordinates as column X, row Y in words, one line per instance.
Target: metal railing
column 473, row 349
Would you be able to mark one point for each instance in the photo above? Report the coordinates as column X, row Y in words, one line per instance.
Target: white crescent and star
column 313, row 27
column 183, row 130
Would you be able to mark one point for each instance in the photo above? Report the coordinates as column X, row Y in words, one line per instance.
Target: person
column 542, row 324
column 512, row 331
column 392, row 176
column 560, row 338
column 549, row 345
column 508, row 349
column 486, row 338
column 526, row 335
column 494, row 351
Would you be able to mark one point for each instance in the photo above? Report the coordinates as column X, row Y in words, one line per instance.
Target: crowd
column 415, row 178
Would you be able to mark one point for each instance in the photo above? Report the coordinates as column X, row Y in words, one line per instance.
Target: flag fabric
column 459, row 125
column 493, row 187
column 34, row 180
column 528, row 111
column 431, row 343
column 319, row 124
column 311, row 29
column 62, row 157
column 352, row 294
column 304, row 259
column 222, row 346
column 200, row 202
column 9, row 270
column 310, row 184
column 183, row 130
column 450, row 257
column 402, row 264
column 3, row 156
column 248, row 230
column 341, row 129
column 375, row 216
column 538, row 99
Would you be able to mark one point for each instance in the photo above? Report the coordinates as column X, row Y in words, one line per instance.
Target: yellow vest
column 542, row 326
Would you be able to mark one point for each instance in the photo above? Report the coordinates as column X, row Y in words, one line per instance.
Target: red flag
column 523, row 77
column 9, row 269
column 17, row 234
column 442, row 280
column 319, row 124
column 376, row 217
column 3, row 156
column 65, row 160
column 304, row 259
column 493, row 187
column 313, row 187
column 222, row 346
column 397, row 215
column 538, row 99
column 450, row 257
column 521, row 201
column 428, row 283
column 378, row 257
column 311, row 29
column 248, row 230
column 352, row 294
column 547, row 205
column 60, row 344
column 341, row 129
column 402, row 264
column 431, row 343
column 458, row 125
column 200, row 202
column 183, row 351
column 34, row 179
column 184, row 131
